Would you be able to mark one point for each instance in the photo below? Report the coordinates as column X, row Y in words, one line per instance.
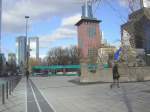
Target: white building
column 146, row 3
column 33, row 43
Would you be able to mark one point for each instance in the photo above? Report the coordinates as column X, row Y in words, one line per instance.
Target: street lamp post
column 27, row 49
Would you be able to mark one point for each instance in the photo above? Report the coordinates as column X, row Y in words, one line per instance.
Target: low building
column 34, row 47
column 106, row 54
column 12, row 58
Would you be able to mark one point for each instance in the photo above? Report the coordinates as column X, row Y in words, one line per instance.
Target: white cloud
column 60, row 33
column 124, row 2
column 66, row 30
column 39, row 10
column 43, row 45
column 132, row 4
column 42, row 56
column 71, row 20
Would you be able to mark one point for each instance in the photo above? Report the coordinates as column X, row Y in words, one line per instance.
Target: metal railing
column 8, row 85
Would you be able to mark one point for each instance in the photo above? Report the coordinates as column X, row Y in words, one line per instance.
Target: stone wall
column 105, row 74
column 100, row 74
column 135, row 73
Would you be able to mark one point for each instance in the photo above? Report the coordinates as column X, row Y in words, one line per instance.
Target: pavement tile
column 68, row 97
column 17, row 100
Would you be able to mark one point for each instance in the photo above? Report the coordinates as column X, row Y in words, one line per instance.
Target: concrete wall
column 135, row 73
column 105, row 75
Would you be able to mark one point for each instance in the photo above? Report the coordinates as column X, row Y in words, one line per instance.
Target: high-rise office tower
column 21, row 50
column 89, row 41
column 33, row 43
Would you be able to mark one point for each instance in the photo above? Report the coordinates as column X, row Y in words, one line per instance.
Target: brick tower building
column 89, row 41
column 89, row 35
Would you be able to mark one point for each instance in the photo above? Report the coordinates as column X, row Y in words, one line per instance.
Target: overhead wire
column 98, row 4
column 122, row 18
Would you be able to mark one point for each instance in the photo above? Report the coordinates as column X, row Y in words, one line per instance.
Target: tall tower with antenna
column 87, row 9
column 89, row 41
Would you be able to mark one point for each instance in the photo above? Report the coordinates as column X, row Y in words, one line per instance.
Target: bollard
column 9, row 87
column 7, row 90
column 12, row 85
column 3, row 94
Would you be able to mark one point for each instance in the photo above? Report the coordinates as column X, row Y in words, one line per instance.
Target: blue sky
column 54, row 23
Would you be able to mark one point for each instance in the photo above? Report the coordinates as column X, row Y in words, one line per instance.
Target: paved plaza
column 16, row 101
column 61, row 94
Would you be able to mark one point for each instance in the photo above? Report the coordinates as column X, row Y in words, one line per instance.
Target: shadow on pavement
column 126, row 100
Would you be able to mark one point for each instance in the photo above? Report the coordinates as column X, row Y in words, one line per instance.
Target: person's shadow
column 126, row 100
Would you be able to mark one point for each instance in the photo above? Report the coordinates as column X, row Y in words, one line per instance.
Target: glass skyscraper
column 33, row 43
column 21, row 50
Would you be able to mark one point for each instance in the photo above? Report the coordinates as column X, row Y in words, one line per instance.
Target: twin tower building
column 23, row 47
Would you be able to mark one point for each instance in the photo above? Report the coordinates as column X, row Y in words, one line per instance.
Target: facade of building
column 89, row 35
column 89, row 41
column 12, row 58
column 136, row 32
column 2, row 59
column 137, row 29
column 21, row 50
column 34, row 47
column 2, row 64
column 106, row 54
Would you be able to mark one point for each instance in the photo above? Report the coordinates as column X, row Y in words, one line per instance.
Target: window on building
column 92, row 32
column 80, row 43
column 92, row 52
column 139, row 41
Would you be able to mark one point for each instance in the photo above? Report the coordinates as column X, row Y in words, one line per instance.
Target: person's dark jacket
column 115, row 72
column 27, row 74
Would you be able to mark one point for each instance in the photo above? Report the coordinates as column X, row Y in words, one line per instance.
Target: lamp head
column 27, row 17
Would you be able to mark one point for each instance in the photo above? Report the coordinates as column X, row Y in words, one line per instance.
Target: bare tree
column 60, row 56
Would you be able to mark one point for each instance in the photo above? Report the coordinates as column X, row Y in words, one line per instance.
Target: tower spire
column 87, row 9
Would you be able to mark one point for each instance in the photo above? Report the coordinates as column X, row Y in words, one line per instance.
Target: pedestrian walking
column 27, row 74
column 116, row 75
